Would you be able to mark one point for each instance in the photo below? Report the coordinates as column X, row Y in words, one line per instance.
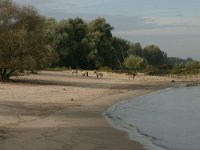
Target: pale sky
column 173, row 25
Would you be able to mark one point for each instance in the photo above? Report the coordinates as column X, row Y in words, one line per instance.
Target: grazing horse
column 84, row 73
column 131, row 75
column 99, row 74
column 74, row 72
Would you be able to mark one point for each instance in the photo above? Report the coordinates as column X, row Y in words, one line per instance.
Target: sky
column 173, row 25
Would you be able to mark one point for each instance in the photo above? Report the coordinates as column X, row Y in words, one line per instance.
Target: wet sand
column 61, row 111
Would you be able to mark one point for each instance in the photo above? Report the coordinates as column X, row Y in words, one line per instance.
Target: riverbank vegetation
column 29, row 41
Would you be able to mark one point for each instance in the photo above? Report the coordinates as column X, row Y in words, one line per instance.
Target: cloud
column 156, row 26
column 180, row 15
column 33, row 2
column 86, row 2
column 59, row 8
column 63, row 3
column 162, row 31
column 129, row 23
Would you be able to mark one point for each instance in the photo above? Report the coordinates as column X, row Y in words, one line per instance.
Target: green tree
column 154, row 55
column 136, row 49
column 71, row 42
column 193, row 65
column 22, row 42
column 99, row 38
column 133, row 62
column 121, row 48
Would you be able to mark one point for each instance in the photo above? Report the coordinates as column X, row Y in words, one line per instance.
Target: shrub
column 106, row 68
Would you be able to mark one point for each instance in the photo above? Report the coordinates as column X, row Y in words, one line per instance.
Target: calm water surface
column 169, row 119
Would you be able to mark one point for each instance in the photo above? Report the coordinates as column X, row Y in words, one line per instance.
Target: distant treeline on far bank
column 30, row 41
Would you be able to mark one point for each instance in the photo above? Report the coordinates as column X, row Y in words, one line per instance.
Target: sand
column 61, row 111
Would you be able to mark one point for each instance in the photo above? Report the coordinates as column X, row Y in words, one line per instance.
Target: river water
column 168, row 119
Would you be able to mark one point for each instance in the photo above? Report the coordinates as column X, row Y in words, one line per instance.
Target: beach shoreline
column 58, row 110
column 156, row 119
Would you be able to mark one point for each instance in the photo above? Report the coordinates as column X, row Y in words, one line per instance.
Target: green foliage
column 134, row 62
column 106, row 69
column 193, row 65
column 136, row 49
column 154, row 55
column 121, row 50
column 70, row 42
column 99, row 40
column 84, row 45
column 150, row 68
column 23, row 45
column 153, row 70
column 158, row 72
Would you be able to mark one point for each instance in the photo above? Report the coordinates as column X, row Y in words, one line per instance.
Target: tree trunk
column 1, row 74
column 5, row 74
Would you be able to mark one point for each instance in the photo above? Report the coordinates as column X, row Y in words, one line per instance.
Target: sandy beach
column 61, row 111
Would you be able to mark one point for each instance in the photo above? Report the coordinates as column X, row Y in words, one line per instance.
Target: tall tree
column 121, row 48
column 22, row 42
column 99, row 38
column 136, row 49
column 70, row 37
column 154, row 55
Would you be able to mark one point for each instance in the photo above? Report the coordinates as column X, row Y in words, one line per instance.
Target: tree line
column 29, row 41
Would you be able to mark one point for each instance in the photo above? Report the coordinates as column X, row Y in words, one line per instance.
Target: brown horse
column 131, row 75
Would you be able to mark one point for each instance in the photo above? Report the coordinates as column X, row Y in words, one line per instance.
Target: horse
column 98, row 74
column 131, row 75
column 74, row 72
column 84, row 73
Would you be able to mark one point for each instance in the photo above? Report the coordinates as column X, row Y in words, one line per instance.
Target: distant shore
column 58, row 110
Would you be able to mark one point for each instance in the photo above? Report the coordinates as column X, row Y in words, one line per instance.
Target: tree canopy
column 134, row 62
column 154, row 55
column 22, row 42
